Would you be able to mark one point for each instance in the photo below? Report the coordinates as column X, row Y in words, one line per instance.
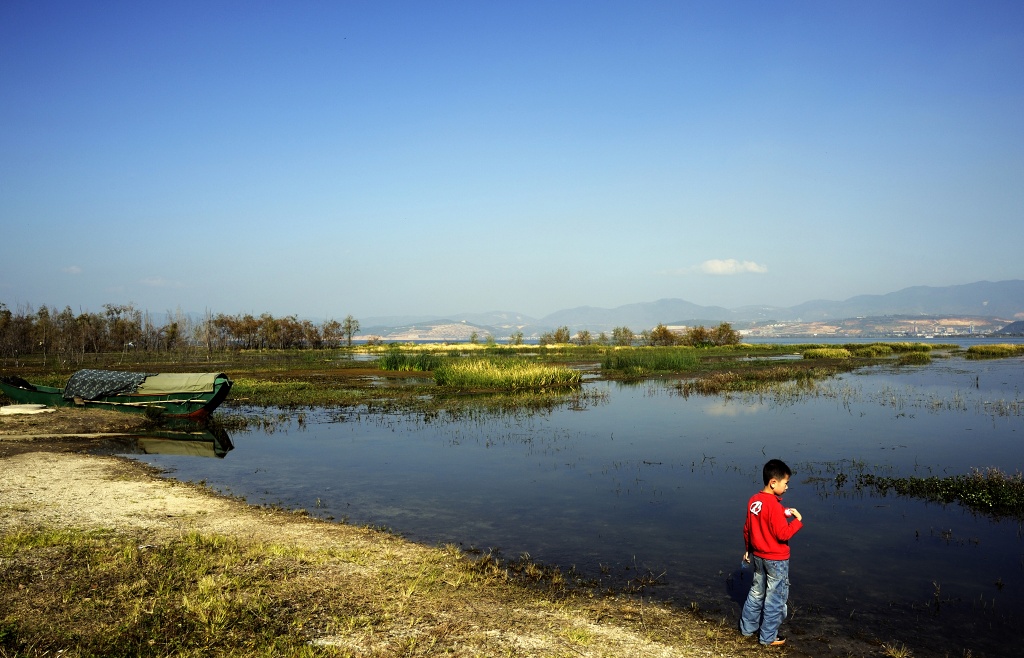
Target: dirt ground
column 48, row 478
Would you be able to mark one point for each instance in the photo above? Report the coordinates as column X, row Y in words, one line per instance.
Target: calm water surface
column 647, row 481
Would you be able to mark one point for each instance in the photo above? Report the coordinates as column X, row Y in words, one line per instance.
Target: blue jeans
column 766, row 604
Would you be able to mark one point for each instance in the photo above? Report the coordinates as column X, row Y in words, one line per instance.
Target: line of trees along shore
column 68, row 337
column 660, row 336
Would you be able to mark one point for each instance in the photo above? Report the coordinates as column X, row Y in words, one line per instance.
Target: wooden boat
column 172, row 395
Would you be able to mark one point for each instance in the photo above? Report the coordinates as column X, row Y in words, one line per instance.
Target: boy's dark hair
column 775, row 469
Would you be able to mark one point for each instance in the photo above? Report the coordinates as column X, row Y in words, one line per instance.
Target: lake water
column 641, row 480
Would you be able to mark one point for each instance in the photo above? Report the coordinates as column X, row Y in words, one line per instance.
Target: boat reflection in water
column 198, row 442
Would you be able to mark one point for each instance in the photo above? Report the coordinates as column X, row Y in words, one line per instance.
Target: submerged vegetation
column 991, row 491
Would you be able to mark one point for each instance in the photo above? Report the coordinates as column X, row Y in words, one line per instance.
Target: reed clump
column 872, row 351
column 637, row 361
column 761, row 380
column 418, row 361
column 915, row 347
column 915, row 359
column 504, row 374
column 827, row 353
column 998, row 351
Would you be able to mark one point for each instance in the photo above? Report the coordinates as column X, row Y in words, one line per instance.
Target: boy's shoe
column 779, row 641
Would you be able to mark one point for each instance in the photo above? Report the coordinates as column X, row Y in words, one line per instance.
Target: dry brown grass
column 99, row 556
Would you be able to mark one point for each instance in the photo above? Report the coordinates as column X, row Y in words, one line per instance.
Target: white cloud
column 731, row 266
column 72, row 269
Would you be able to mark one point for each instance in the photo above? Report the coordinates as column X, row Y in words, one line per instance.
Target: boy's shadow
column 737, row 585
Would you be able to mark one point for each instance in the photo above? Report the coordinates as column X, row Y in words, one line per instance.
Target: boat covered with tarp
column 174, row 394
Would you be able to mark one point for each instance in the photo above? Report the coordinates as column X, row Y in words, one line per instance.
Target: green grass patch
column 757, row 380
column 827, row 353
column 999, row 351
column 293, row 393
column 914, row 359
column 416, row 361
column 914, row 347
column 872, row 351
column 637, row 361
column 503, row 374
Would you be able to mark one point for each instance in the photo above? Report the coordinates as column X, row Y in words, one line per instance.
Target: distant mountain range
column 1001, row 300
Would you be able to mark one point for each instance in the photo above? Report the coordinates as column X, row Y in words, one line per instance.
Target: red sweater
column 767, row 530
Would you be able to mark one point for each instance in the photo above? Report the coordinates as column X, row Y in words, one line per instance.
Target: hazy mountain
column 642, row 315
column 1002, row 299
column 1013, row 329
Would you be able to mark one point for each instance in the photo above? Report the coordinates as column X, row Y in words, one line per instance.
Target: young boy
column 766, row 535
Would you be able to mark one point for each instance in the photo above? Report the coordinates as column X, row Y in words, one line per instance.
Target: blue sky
column 392, row 158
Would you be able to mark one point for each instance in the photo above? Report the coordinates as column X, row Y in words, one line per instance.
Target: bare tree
column 348, row 327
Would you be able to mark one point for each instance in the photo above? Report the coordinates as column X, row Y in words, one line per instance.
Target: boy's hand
column 746, row 557
column 796, row 514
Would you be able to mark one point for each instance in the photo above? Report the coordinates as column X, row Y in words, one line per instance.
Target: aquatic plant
column 504, row 374
column 915, row 359
column 990, row 492
column 398, row 360
column 777, row 378
column 637, row 361
column 292, row 393
column 828, row 353
column 915, row 347
column 1000, row 350
column 872, row 351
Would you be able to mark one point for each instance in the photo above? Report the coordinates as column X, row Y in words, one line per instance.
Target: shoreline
column 49, row 484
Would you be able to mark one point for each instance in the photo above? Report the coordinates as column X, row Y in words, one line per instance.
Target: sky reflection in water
column 652, row 481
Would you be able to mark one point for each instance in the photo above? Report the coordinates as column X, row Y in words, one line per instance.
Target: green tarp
column 178, row 382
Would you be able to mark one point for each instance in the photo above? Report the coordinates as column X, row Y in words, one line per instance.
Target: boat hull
column 195, row 406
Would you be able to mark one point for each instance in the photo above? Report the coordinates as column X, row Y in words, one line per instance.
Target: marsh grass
column 763, row 380
column 291, row 393
column 872, row 351
column 827, row 353
column 999, row 351
column 640, row 361
column 914, row 359
column 504, row 374
column 990, row 491
column 916, row 347
column 416, row 361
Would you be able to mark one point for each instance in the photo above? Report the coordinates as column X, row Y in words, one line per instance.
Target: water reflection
column 199, row 442
column 640, row 480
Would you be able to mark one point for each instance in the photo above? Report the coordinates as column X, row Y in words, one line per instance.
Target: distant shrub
column 827, row 353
